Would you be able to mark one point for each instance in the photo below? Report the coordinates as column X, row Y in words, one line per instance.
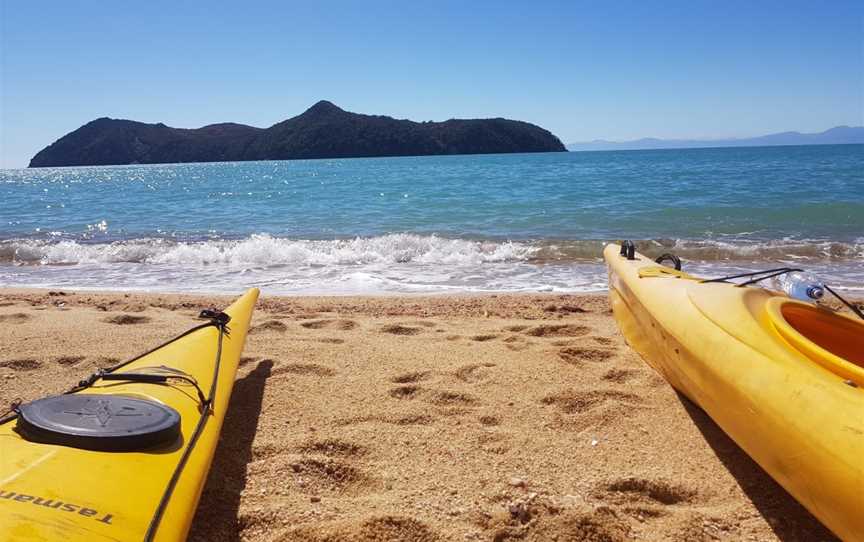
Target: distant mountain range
column 837, row 135
column 322, row 131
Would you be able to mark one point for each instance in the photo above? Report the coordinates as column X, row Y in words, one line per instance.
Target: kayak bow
column 125, row 454
column 783, row 378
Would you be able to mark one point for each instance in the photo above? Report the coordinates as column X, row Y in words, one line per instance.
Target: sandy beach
column 496, row 417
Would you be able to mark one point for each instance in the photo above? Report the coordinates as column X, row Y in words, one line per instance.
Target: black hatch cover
column 99, row 422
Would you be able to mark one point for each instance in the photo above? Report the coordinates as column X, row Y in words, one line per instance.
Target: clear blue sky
column 584, row 70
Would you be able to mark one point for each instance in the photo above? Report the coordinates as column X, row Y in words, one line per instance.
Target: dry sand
column 518, row 417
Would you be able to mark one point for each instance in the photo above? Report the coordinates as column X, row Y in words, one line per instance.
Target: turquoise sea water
column 429, row 224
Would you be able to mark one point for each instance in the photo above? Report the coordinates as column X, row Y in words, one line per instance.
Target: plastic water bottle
column 802, row 286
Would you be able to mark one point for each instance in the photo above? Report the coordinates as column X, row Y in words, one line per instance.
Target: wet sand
column 517, row 417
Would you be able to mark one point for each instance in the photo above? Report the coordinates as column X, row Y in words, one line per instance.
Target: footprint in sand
column 564, row 309
column 14, row 318
column 342, row 325
column 303, row 369
column 327, row 475
column 323, row 340
column 126, row 319
column 69, row 360
column 436, row 397
column 517, row 343
column 448, row 398
column 404, row 392
column 333, row 448
column 575, row 355
column 21, row 364
column 558, row 330
column 605, row 341
column 392, row 528
column 307, row 316
column 640, row 490
column 536, row 523
column 407, row 419
column 408, row 378
column 265, row 451
column 473, row 372
column 270, row 325
column 574, row 402
column 619, row 376
column 484, row 338
column 399, row 329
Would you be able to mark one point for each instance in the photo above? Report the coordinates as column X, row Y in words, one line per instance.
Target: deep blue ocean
column 517, row 222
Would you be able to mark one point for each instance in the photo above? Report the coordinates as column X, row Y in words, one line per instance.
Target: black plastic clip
column 628, row 250
column 90, row 380
column 219, row 318
column 676, row 261
column 12, row 413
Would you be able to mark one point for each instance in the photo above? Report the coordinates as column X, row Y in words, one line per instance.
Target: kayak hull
column 54, row 492
column 798, row 415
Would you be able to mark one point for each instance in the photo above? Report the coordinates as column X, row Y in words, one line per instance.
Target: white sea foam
column 265, row 250
column 407, row 263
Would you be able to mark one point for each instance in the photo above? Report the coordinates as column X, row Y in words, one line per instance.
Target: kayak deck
column 53, row 492
column 800, row 418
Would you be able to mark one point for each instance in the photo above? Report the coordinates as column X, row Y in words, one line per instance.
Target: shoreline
column 430, row 417
column 393, row 264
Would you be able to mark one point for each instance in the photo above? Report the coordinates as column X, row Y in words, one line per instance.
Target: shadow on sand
column 216, row 519
column 789, row 520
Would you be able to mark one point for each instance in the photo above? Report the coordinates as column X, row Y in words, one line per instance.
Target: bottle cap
column 815, row 292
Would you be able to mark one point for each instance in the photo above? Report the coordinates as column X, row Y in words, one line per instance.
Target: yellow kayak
column 124, row 455
column 783, row 378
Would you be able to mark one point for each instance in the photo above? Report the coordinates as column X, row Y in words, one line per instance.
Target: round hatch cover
column 99, row 422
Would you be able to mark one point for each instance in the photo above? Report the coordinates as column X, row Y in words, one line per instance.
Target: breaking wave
column 395, row 263
column 265, row 250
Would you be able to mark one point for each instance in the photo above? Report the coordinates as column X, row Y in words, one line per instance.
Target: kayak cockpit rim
column 834, row 341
